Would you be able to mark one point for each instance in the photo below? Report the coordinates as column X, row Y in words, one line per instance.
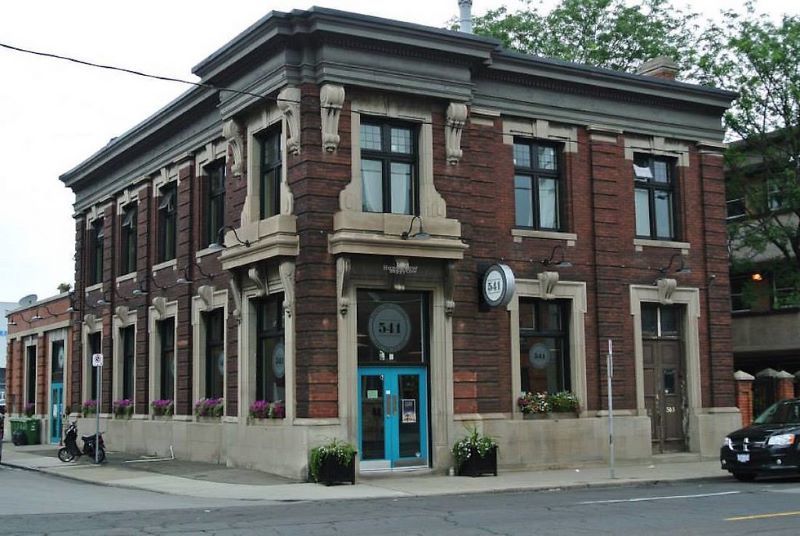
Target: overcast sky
column 55, row 114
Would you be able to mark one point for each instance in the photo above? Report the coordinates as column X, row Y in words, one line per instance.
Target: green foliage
column 602, row 33
column 343, row 451
column 474, row 443
column 563, row 401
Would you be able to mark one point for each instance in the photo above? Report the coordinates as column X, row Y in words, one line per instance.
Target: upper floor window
column 774, row 195
column 127, row 257
column 785, row 289
column 214, row 202
column 544, row 345
column 739, row 300
column 167, row 222
column 96, row 240
column 537, row 186
column 736, row 208
column 270, row 170
column 655, row 197
column 389, row 167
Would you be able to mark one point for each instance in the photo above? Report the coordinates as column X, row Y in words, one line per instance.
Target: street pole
column 609, row 375
column 97, row 415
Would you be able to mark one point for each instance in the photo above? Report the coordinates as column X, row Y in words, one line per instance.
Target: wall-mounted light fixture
column 220, row 243
column 37, row 316
column 142, row 289
column 757, row 276
column 561, row 263
column 419, row 235
column 682, row 269
column 185, row 279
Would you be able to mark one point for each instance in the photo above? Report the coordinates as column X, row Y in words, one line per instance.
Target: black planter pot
column 476, row 465
column 332, row 471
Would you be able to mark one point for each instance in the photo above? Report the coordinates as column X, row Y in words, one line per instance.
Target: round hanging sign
column 389, row 327
column 539, row 356
column 498, row 285
column 278, row 362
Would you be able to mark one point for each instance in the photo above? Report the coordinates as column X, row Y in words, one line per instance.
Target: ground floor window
column 544, row 345
column 94, row 340
column 166, row 333
column 270, row 350
column 128, row 336
column 391, row 327
column 30, row 387
column 215, row 353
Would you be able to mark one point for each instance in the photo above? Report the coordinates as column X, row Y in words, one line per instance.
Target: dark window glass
column 127, row 258
column 96, row 241
column 389, row 167
column 544, row 345
column 654, row 197
column 128, row 336
column 30, row 390
column 270, row 168
column 94, row 341
column 166, row 331
column 215, row 353
column 738, row 302
column 214, row 205
column 57, row 362
column 537, row 186
column 270, row 364
column 167, row 222
column 391, row 327
column 660, row 320
column 785, row 289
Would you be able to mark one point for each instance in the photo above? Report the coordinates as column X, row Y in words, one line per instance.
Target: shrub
column 209, row 407
column 474, row 443
column 122, row 408
column 343, row 451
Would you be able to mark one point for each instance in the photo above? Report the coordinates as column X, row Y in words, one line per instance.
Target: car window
column 780, row 413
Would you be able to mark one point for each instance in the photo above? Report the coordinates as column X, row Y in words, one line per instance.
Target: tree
column 760, row 59
column 602, row 33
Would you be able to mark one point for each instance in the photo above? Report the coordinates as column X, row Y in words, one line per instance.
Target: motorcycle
column 70, row 450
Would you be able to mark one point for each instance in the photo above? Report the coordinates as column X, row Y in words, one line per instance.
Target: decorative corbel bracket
column 343, row 283
column 233, row 132
column 160, row 305
column 331, row 100
column 666, row 287
column 206, row 295
column 454, row 126
column 547, row 283
column 121, row 312
column 259, row 280
column 289, row 105
column 450, row 288
column 237, row 297
column 286, row 272
column 91, row 323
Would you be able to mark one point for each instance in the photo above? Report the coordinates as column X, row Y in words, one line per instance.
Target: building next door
column 393, row 410
column 56, row 390
column 664, row 384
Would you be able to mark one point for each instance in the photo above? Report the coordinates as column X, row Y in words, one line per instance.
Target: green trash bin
column 16, row 424
column 32, row 431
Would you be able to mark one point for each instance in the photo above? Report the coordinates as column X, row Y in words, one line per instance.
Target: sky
column 55, row 114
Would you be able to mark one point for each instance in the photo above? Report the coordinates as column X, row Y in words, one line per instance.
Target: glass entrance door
column 393, row 417
column 57, row 409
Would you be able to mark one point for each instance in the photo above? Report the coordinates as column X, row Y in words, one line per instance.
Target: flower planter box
column 332, row 471
column 534, row 416
column 476, row 465
column 556, row 415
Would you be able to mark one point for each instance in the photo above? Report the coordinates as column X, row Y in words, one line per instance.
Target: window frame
column 737, row 282
column 128, row 239
column 94, row 344
column 777, row 292
column 652, row 186
column 536, row 173
column 262, row 335
column 563, row 335
column 128, row 347
column 214, row 187
column 166, row 333
column 168, row 222
column 387, row 158
column 212, row 344
column 269, row 199
column 31, row 359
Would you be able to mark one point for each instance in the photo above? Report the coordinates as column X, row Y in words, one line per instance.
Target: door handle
column 388, row 402
column 394, row 405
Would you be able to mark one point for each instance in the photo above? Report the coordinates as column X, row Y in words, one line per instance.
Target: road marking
column 666, row 498
column 763, row 516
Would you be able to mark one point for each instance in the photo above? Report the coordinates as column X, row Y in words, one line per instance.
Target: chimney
column 660, row 67
column 465, row 10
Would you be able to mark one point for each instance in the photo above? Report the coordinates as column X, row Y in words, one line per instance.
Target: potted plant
column 263, row 409
column 333, row 462
column 475, row 454
column 122, row 409
column 162, row 408
column 29, row 409
column 209, row 407
column 564, row 402
column 89, row 407
column 534, row 405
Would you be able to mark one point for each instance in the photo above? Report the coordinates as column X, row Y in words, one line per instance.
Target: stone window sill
column 274, row 237
column 641, row 243
column 92, row 288
column 519, row 234
column 127, row 277
column 172, row 263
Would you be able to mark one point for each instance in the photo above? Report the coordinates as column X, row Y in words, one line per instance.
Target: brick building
column 364, row 175
column 38, row 354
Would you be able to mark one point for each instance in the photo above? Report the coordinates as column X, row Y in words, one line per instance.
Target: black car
column 770, row 445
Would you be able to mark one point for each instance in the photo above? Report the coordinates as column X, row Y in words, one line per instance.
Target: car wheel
column 744, row 477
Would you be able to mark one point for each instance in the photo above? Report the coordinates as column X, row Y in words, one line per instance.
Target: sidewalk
column 217, row 481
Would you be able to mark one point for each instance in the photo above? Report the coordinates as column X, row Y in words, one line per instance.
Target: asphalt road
column 33, row 503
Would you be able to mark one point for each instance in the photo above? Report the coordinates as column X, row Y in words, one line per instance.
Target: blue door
column 393, row 417
column 56, row 410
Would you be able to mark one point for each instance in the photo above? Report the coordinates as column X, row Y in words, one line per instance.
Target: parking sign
column 97, row 360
